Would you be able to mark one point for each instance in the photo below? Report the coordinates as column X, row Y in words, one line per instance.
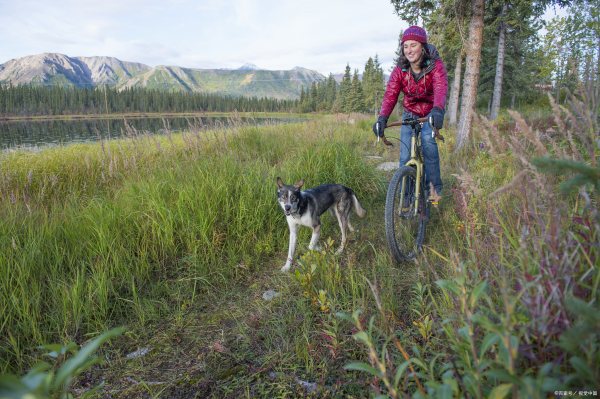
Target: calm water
column 35, row 135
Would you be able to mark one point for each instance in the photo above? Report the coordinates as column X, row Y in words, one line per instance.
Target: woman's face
column 413, row 50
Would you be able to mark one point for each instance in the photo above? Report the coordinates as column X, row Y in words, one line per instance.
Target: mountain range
column 248, row 80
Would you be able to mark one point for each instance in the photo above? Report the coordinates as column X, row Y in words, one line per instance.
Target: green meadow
column 178, row 237
column 122, row 231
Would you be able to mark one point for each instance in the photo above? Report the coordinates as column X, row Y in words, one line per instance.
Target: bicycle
column 406, row 209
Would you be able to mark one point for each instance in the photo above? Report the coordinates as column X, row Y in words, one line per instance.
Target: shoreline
column 139, row 115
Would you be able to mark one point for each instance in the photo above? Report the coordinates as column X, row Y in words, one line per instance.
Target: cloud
column 317, row 34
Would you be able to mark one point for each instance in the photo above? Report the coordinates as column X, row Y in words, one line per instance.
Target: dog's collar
column 295, row 215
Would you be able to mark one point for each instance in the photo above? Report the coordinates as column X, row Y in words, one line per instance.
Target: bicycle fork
column 418, row 165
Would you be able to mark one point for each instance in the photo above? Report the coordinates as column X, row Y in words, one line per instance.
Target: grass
column 94, row 235
column 179, row 237
column 515, row 309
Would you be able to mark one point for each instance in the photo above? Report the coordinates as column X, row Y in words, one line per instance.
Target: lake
column 35, row 135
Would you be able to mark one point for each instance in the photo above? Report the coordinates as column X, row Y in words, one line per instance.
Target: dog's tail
column 360, row 211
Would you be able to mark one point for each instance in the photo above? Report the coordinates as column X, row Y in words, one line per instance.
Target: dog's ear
column 299, row 184
column 279, row 182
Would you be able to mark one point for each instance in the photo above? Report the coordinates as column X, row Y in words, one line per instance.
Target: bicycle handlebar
column 409, row 122
column 413, row 122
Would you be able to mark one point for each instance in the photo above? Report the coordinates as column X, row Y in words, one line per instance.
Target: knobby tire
column 405, row 235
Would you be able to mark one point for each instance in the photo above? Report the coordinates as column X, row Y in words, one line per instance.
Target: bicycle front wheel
column 405, row 228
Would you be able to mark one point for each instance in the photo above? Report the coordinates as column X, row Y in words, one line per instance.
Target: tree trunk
column 455, row 92
column 596, row 83
column 559, row 73
column 471, row 79
column 499, row 67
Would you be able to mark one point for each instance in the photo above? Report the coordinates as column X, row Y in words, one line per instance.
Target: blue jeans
column 429, row 147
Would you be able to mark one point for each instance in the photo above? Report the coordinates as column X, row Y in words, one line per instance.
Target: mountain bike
column 406, row 207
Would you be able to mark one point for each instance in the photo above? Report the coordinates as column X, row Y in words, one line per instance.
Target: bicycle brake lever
column 435, row 133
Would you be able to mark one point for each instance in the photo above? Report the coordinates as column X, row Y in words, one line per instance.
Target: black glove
column 436, row 117
column 380, row 125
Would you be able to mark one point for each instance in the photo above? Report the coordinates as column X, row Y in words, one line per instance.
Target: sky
column 323, row 35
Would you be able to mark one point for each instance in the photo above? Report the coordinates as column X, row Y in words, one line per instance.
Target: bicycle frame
column 415, row 159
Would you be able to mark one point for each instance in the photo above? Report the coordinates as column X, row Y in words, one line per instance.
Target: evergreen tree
column 357, row 98
column 373, row 84
column 343, row 99
column 572, row 48
column 415, row 12
column 330, row 92
column 367, row 82
column 304, row 101
column 313, row 97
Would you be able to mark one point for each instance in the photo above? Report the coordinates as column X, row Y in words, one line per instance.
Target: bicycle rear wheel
column 405, row 230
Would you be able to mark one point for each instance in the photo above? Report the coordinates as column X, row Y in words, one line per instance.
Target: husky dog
column 305, row 208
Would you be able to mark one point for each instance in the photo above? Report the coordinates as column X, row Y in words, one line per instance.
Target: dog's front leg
column 315, row 238
column 292, row 248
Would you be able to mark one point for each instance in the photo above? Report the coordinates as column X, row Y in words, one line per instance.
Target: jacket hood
column 433, row 52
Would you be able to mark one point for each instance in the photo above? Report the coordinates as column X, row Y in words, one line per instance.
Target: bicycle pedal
column 405, row 213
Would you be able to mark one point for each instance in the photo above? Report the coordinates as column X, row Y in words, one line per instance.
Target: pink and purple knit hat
column 415, row 33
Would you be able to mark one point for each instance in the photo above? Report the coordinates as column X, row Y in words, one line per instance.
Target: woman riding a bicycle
column 421, row 76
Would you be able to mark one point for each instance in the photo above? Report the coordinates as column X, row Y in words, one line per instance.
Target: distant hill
column 248, row 80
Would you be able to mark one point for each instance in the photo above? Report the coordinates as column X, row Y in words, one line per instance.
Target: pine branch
column 584, row 173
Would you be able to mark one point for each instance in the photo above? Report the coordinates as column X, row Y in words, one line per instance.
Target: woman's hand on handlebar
column 380, row 125
column 379, row 128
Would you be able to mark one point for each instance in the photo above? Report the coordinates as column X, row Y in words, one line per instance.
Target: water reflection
column 35, row 135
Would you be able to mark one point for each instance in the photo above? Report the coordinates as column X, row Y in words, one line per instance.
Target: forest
column 352, row 94
column 498, row 54
column 511, row 55
column 29, row 100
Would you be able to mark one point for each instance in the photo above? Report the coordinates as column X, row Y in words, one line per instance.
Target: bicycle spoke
column 405, row 223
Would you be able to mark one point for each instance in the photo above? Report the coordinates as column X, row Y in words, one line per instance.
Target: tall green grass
column 101, row 234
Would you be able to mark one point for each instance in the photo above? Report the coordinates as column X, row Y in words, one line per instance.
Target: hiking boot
column 433, row 197
column 405, row 212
